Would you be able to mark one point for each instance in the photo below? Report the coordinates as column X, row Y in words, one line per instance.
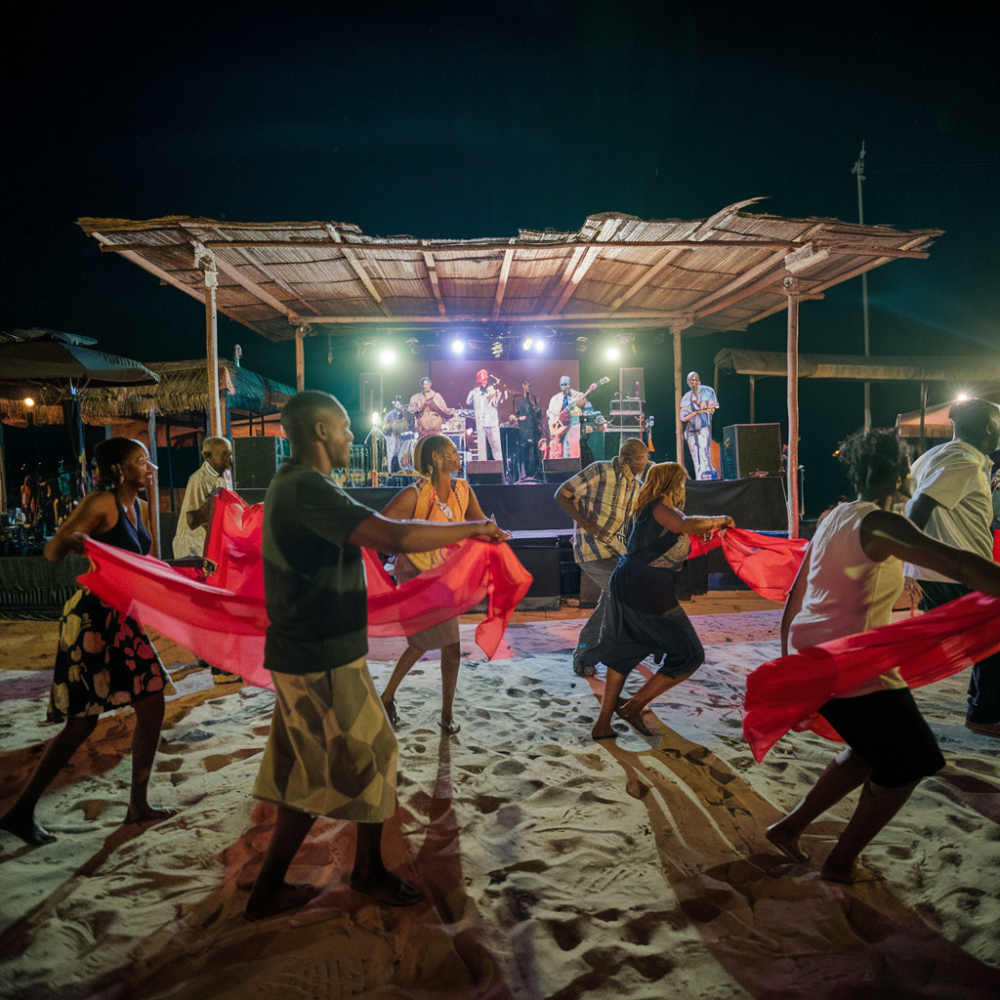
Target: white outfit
column 188, row 542
column 566, row 441
column 957, row 476
column 846, row 591
column 485, row 403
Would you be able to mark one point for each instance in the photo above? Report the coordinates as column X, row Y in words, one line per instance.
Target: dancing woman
column 849, row 580
column 436, row 498
column 104, row 659
column 643, row 615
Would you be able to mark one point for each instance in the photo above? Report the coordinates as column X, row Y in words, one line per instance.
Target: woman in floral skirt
column 104, row 660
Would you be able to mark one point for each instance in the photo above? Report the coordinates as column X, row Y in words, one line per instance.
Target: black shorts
column 886, row 730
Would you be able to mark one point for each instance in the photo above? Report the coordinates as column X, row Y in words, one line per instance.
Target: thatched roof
column 720, row 273
column 183, row 391
column 858, row 368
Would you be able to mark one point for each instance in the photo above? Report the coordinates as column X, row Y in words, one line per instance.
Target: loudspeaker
column 627, row 378
column 540, row 557
column 750, row 448
column 256, row 459
column 485, row 473
column 557, row 470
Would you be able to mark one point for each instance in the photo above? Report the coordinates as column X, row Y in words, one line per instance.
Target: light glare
column 458, row 346
column 387, row 357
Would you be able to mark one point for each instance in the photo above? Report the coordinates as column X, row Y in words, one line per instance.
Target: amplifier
column 256, row 459
column 558, row 470
column 750, row 448
column 485, row 473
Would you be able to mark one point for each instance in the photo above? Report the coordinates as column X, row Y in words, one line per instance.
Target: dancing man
column 485, row 399
column 600, row 499
column 952, row 503
column 430, row 408
column 698, row 406
column 564, row 432
column 331, row 750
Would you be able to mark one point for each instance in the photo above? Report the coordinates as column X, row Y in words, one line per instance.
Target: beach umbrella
column 68, row 361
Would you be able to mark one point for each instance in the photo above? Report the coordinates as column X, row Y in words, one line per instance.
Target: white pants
column 699, row 444
column 493, row 433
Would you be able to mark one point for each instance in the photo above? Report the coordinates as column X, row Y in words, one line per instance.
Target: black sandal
column 390, row 711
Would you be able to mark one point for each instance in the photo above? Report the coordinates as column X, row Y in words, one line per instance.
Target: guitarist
column 564, row 430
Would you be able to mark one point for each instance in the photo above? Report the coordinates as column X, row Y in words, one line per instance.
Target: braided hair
column 876, row 460
column 109, row 453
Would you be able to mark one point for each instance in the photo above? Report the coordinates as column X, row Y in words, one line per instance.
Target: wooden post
column 300, row 360
column 923, row 417
column 154, row 497
column 678, row 392
column 212, row 345
column 753, row 385
column 3, row 476
column 792, row 464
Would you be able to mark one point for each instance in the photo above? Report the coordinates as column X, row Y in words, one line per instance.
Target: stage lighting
column 387, row 357
column 612, row 353
column 539, row 345
column 376, row 419
column 527, row 344
column 29, row 402
column 962, row 397
column 458, row 346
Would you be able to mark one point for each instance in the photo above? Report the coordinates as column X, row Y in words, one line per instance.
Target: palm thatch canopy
column 617, row 271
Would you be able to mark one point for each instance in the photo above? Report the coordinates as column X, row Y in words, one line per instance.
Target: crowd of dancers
column 332, row 751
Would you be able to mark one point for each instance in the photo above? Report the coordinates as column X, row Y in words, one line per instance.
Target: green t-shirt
column 314, row 581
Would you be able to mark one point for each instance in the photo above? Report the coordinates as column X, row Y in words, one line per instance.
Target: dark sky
column 465, row 120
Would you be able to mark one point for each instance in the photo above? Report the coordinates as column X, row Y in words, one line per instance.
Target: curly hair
column 876, row 460
column 665, row 479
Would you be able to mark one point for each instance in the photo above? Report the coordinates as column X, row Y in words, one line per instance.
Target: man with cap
column 484, row 399
column 430, row 408
column 698, row 406
column 564, row 435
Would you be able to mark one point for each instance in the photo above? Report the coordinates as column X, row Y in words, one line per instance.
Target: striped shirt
column 604, row 493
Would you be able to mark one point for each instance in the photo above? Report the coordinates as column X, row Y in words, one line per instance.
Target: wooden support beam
column 669, row 257
column 569, row 285
column 360, row 271
column 212, row 348
column 676, row 329
column 630, row 319
column 435, row 285
column 792, row 464
column 153, row 505
column 300, row 360
column 508, row 257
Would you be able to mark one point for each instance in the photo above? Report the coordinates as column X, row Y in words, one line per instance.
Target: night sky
column 468, row 120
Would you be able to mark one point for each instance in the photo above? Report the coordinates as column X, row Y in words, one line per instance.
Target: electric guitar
column 558, row 425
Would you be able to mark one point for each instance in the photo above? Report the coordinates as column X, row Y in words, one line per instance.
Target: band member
column 430, row 408
column 697, row 408
column 564, row 427
column 399, row 422
column 484, row 400
column 529, row 426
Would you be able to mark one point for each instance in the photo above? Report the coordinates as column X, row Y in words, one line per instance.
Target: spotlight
column 29, row 402
column 458, row 346
column 376, row 419
column 612, row 353
column 387, row 357
column 527, row 344
column 962, row 397
column 539, row 345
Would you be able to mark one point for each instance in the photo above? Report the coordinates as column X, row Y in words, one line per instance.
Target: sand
column 552, row 866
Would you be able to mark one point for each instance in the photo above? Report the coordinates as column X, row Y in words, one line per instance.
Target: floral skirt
column 104, row 660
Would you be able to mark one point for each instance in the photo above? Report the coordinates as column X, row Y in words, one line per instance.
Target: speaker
column 750, row 448
column 540, row 557
column 485, row 473
column 627, row 378
column 256, row 459
column 557, row 470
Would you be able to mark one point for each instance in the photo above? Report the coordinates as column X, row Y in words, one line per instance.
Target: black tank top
column 126, row 535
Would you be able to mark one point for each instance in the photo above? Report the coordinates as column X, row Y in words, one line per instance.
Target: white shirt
column 188, row 542
column 560, row 400
column 485, row 405
column 957, row 476
column 846, row 591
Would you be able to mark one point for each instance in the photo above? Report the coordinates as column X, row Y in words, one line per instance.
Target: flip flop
column 606, row 736
column 390, row 711
column 451, row 729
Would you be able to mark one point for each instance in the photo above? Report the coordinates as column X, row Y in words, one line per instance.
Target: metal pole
column 923, row 416
column 678, row 392
column 792, row 465
column 300, row 360
column 753, row 385
column 859, row 170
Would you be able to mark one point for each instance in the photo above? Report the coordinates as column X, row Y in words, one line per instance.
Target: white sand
column 552, row 866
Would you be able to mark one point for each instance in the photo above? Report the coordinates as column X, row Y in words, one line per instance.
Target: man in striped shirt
column 600, row 500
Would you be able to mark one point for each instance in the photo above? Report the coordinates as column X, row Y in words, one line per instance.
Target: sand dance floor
column 552, row 866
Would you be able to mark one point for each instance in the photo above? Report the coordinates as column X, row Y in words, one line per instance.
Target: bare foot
column 147, row 814
column 788, row 845
column 857, row 873
column 288, row 896
column 390, row 711
column 633, row 717
column 388, row 888
column 27, row 828
column 451, row 728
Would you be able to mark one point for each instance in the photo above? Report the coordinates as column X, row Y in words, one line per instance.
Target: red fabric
column 786, row 693
column 996, row 546
column 764, row 563
column 223, row 619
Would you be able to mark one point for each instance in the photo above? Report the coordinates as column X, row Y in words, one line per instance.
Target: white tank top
column 846, row 592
